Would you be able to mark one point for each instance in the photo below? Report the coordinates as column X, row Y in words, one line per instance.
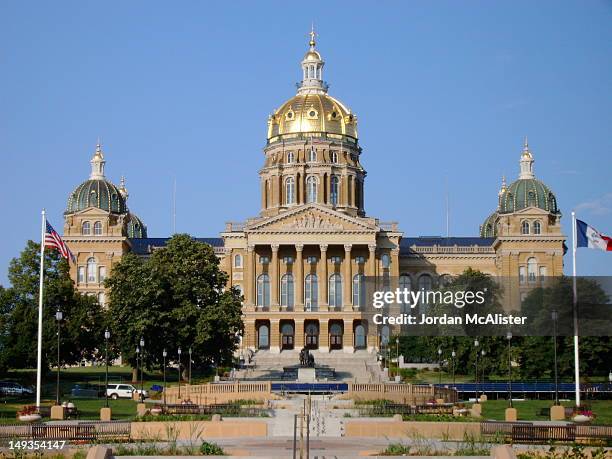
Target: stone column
column 249, row 334
column 347, row 299
column 323, row 335
column 320, row 186
column 343, row 201
column 371, row 267
column 274, row 275
column 275, row 336
column 322, row 273
column 329, row 176
column 348, row 343
column 299, row 279
column 249, row 275
column 299, row 333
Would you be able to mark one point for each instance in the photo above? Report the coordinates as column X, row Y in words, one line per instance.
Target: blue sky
column 444, row 92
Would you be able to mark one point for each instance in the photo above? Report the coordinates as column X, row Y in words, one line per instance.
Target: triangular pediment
column 93, row 211
column 532, row 211
column 312, row 218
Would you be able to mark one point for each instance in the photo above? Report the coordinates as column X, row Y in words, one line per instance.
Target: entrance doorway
column 312, row 335
column 335, row 336
column 287, row 336
column 263, row 336
column 360, row 337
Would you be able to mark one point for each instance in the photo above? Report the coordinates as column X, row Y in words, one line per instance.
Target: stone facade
column 301, row 262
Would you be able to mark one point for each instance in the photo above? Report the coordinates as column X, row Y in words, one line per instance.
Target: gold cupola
column 312, row 112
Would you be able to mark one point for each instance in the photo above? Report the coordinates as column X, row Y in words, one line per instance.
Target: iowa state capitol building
column 301, row 262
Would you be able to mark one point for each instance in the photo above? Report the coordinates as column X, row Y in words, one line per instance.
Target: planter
column 581, row 418
column 29, row 417
column 155, row 411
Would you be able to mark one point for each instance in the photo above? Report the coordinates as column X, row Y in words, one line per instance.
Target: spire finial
column 526, row 162
column 122, row 189
column 526, row 144
column 312, row 36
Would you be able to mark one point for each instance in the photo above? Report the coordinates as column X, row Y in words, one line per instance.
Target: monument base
column 476, row 410
column 105, row 414
column 306, row 374
column 141, row 409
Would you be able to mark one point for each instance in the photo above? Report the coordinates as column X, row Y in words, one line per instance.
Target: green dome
column 98, row 193
column 527, row 192
column 136, row 229
column 489, row 228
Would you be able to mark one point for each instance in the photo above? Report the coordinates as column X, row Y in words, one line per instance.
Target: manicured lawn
column 528, row 410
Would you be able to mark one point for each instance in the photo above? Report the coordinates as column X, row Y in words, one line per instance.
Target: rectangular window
column 81, row 275
column 522, row 272
column 102, row 273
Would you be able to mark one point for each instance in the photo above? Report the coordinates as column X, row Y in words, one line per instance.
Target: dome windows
column 312, row 155
column 290, row 115
column 290, row 157
column 311, row 189
column 97, row 229
column 334, row 190
column 525, row 229
column 290, row 190
column 86, row 229
column 333, row 156
column 537, row 227
column 312, row 113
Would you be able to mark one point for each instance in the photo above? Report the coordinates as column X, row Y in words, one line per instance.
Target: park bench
column 75, row 432
column 543, row 434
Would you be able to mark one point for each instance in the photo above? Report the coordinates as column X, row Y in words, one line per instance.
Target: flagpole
column 40, row 307
column 575, row 308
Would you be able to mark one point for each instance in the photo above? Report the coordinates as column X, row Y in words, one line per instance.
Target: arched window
column 97, row 228
column 335, row 290
column 386, row 261
column 360, row 337
column 311, row 292
column 91, row 269
column 86, row 228
column 312, row 155
column 333, row 192
column 358, row 290
column 333, row 156
column 263, row 291
column 384, row 335
column 289, row 190
column 102, row 273
column 405, row 285
column 311, row 189
column 524, row 227
column 237, row 261
column 532, row 268
column 290, row 157
column 537, row 227
column 287, row 291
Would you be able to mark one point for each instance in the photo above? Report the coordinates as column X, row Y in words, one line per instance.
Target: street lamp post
column 554, row 319
column 482, row 353
column 58, row 317
column 165, row 354
column 440, row 366
column 142, row 346
column 509, row 338
column 476, row 344
column 137, row 367
column 106, row 338
column 454, row 355
column 190, row 365
column 179, row 371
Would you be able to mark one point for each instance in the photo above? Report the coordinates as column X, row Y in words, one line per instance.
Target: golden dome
column 312, row 55
column 313, row 113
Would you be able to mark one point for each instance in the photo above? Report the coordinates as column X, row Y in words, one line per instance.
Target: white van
column 116, row 391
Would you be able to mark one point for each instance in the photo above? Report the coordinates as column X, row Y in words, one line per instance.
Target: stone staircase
column 359, row 366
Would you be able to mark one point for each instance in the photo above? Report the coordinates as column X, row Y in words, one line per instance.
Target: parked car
column 116, row 391
column 14, row 388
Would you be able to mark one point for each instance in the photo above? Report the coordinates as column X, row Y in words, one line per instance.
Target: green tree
column 82, row 322
column 177, row 297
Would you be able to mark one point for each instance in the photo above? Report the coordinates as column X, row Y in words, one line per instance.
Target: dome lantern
column 526, row 162
column 97, row 164
column 312, row 70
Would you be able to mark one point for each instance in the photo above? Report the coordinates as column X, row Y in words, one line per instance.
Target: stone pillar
column 371, row 267
column 343, row 201
column 323, row 282
column 323, row 335
column 275, row 278
column 249, row 334
column 395, row 263
column 328, row 185
column 275, row 336
column 320, row 186
column 263, row 194
column 299, row 334
column 249, row 275
column 347, row 299
column 299, row 280
column 353, row 192
column 348, row 341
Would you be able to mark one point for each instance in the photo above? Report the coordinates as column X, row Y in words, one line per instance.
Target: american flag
column 52, row 239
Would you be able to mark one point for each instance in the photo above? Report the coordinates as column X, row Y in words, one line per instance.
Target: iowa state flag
column 591, row 238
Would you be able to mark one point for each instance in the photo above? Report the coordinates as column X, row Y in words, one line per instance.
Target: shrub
column 211, row 449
